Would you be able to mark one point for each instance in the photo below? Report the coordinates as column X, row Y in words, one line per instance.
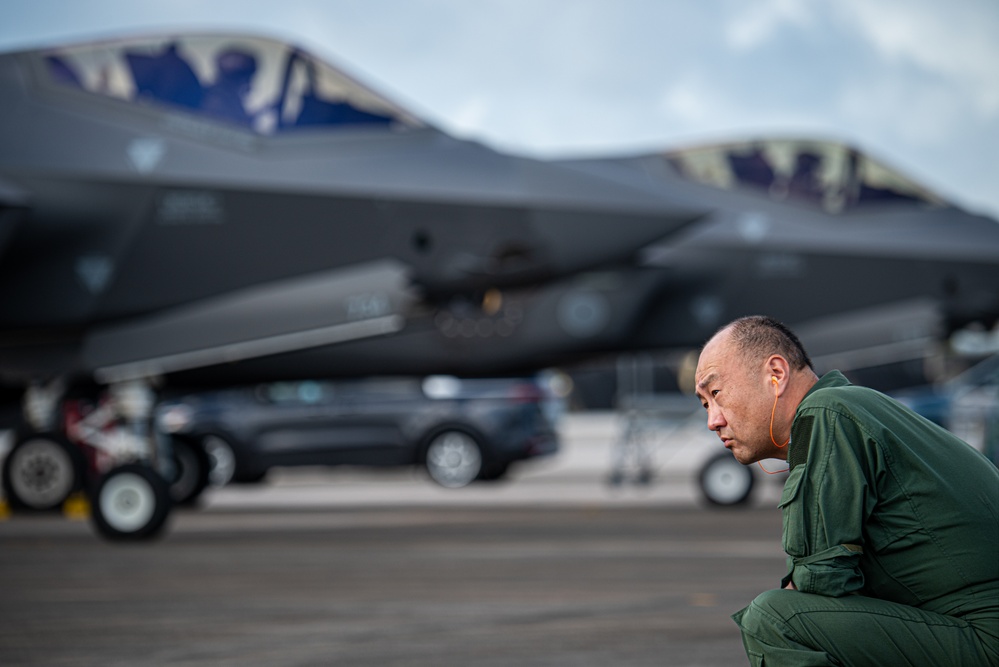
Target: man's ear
column 779, row 371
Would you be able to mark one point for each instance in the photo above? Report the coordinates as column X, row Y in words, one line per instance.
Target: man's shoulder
column 842, row 397
column 845, row 405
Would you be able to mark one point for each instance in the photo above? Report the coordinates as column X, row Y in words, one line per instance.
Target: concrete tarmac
column 553, row 567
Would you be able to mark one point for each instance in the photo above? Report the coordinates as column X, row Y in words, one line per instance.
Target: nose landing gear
column 104, row 447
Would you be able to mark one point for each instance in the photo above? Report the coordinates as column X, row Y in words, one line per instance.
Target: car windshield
column 823, row 174
column 260, row 84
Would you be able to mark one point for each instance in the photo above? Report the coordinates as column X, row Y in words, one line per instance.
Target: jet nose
column 518, row 246
column 580, row 240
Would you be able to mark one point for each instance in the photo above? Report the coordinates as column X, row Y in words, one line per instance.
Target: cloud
column 687, row 101
column 470, row 115
column 916, row 113
column 757, row 23
column 963, row 47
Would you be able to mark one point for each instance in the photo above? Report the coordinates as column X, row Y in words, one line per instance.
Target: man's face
column 738, row 396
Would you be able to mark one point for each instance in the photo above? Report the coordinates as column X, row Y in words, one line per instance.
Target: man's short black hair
column 761, row 336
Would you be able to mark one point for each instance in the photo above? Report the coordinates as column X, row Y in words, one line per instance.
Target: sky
column 914, row 83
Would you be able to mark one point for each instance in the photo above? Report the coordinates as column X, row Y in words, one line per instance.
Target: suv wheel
column 454, row 459
column 222, row 459
column 725, row 481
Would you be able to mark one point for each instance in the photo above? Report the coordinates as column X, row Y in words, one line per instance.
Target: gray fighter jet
column 868, row 266
column 192, row 203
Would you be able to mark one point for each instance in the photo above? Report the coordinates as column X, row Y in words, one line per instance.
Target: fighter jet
column 868, row 266
column 192, row 203
column 809, row 229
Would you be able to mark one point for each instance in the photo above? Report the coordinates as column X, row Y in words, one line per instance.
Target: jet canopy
column 828, row 175
column 260, row 84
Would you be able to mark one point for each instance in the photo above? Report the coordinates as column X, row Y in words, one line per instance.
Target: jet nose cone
column 579, row 240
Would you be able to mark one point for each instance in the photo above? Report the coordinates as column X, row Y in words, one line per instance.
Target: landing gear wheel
column 726, row 482
column 132, row 502
column 41, row 471
column 221, row 458
column 192, row 471
column 454, row 459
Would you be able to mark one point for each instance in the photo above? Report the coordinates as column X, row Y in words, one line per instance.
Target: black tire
column 130, row 503
column 725, row 482
column 192, row 471
column 453, row 458
column 497, row 472
column 41, row 471
column 249, row 478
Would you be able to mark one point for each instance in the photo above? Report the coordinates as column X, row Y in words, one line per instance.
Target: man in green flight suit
column 891, row 524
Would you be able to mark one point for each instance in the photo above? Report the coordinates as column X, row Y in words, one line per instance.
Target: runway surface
column 553, row 567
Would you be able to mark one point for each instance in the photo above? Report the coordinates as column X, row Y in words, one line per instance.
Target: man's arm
column 826, row 502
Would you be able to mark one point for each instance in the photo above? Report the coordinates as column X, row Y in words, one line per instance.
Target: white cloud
column 960, row 43
column 759, row 22
column 470, row 115
column 921, row 114
column 686, row 102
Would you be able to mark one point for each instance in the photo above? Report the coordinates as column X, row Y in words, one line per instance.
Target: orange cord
column 773, row 411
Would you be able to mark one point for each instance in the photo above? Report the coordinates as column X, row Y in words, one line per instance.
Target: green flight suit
column 891, row 526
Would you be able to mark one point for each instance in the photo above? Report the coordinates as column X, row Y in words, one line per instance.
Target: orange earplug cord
column 773, row 411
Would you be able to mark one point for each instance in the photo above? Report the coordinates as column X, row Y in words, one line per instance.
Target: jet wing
column 320, row 309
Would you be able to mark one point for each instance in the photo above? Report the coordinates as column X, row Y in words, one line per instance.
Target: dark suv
column 459, row 430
